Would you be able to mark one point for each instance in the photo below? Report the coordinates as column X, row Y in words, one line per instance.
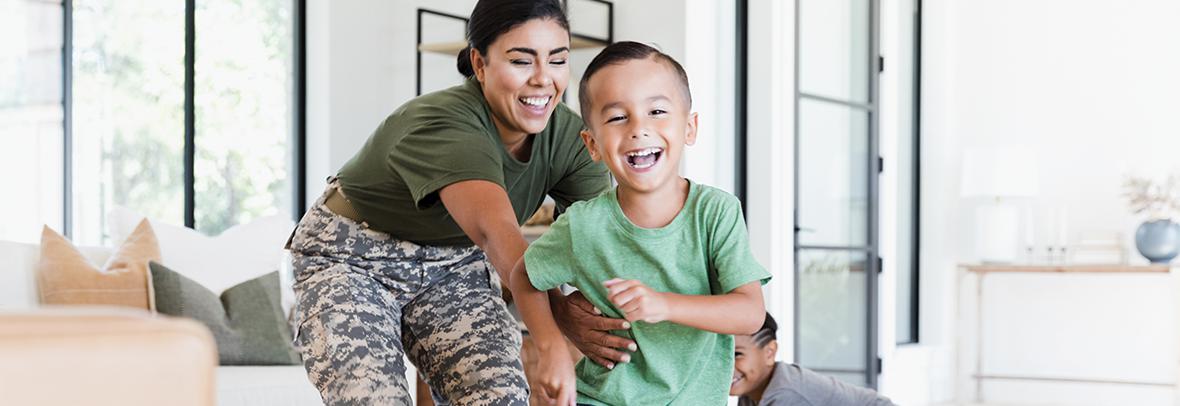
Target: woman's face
column 524, row 74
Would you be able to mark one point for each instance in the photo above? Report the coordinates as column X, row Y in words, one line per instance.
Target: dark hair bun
column 464, row 62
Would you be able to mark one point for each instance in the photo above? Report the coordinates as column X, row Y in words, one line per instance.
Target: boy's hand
column 555, row 376
column 637, row 301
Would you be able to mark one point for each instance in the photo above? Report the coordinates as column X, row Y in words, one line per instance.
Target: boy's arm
column 741, row 311
column 534, row 309
column 555, row 369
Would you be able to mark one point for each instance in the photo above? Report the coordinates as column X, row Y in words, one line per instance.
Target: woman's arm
column 484, row 212
column 740, row 311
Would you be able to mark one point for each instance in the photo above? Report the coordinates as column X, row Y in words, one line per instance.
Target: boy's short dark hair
column 623, row 51
column 767, row 333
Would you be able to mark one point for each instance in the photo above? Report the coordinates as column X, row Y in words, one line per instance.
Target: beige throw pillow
column 65, row 277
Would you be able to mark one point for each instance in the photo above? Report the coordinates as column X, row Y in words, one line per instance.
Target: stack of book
column 1099, row 248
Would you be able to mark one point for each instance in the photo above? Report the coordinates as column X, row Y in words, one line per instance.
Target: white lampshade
column 999, row 172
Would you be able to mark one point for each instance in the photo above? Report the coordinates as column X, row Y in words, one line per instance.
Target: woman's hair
column 624, row 51
column 492, row 18
column 767, row 333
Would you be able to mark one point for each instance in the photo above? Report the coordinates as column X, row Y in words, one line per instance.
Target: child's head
column 638, row 113
column 754, row 360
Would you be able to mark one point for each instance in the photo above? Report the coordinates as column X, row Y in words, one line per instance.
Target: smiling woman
column 407, row 247
column 521, row 84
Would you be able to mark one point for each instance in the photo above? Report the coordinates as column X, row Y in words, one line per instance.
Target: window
column 209, row 142
column 31, row 112
column 244, row 85
column 128, row 112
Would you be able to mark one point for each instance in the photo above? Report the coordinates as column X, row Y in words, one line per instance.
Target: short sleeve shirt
column 703, row 251
column 448, row 136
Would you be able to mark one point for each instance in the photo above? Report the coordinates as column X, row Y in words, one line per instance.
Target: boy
column 759, row 381
column 669, row 255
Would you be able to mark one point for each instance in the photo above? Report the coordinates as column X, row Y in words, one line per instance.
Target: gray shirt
column 792, row 385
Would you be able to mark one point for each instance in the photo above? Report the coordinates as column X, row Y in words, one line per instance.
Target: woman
column 397, row 257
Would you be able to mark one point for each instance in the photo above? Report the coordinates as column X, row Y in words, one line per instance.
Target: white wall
column 1088, row 85
column 771, row 155
column 360, row 69
column 710, row 65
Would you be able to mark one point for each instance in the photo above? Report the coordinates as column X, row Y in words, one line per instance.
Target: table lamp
column 995, row 177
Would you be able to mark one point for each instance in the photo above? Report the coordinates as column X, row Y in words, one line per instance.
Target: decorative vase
column 1158, row 241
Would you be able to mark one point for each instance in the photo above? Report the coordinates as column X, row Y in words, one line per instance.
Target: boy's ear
column 769, row 351
column 690, row 130
column 478, row 64
column 591, row 144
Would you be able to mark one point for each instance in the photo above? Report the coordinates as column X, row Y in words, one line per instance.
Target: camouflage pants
column 365, row 299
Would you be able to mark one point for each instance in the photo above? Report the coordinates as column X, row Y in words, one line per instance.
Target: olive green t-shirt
column 448, row 136
column 703, row 251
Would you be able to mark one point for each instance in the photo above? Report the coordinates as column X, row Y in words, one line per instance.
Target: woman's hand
column 637, row 301
column 555, row 375
column 588, row 330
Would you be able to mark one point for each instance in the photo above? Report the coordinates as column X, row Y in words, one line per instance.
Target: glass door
column 836, row 257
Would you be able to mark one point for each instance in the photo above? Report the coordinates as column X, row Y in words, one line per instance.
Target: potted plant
column 1158, row 238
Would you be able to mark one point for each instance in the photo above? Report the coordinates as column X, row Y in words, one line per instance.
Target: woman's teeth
column 536, row 101
column 644, row 158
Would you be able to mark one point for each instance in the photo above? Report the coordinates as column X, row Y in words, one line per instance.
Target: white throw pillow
column 241, row 253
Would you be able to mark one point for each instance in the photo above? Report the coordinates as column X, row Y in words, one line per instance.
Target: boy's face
column 752, row 365
column 639, row 122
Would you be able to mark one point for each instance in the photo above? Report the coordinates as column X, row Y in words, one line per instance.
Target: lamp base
column 997, row 230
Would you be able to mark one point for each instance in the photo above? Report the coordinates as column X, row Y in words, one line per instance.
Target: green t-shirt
column 703, row 251
column 448, row 136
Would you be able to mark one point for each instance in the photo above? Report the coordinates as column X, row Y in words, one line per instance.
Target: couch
column 235, row 385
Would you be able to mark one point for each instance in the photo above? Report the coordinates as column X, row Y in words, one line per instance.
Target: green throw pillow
column 247, row 321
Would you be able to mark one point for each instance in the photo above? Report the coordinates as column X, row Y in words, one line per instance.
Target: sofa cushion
column 242, row 252
column 247, row 322
column 18, row 273
column 66, row 277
